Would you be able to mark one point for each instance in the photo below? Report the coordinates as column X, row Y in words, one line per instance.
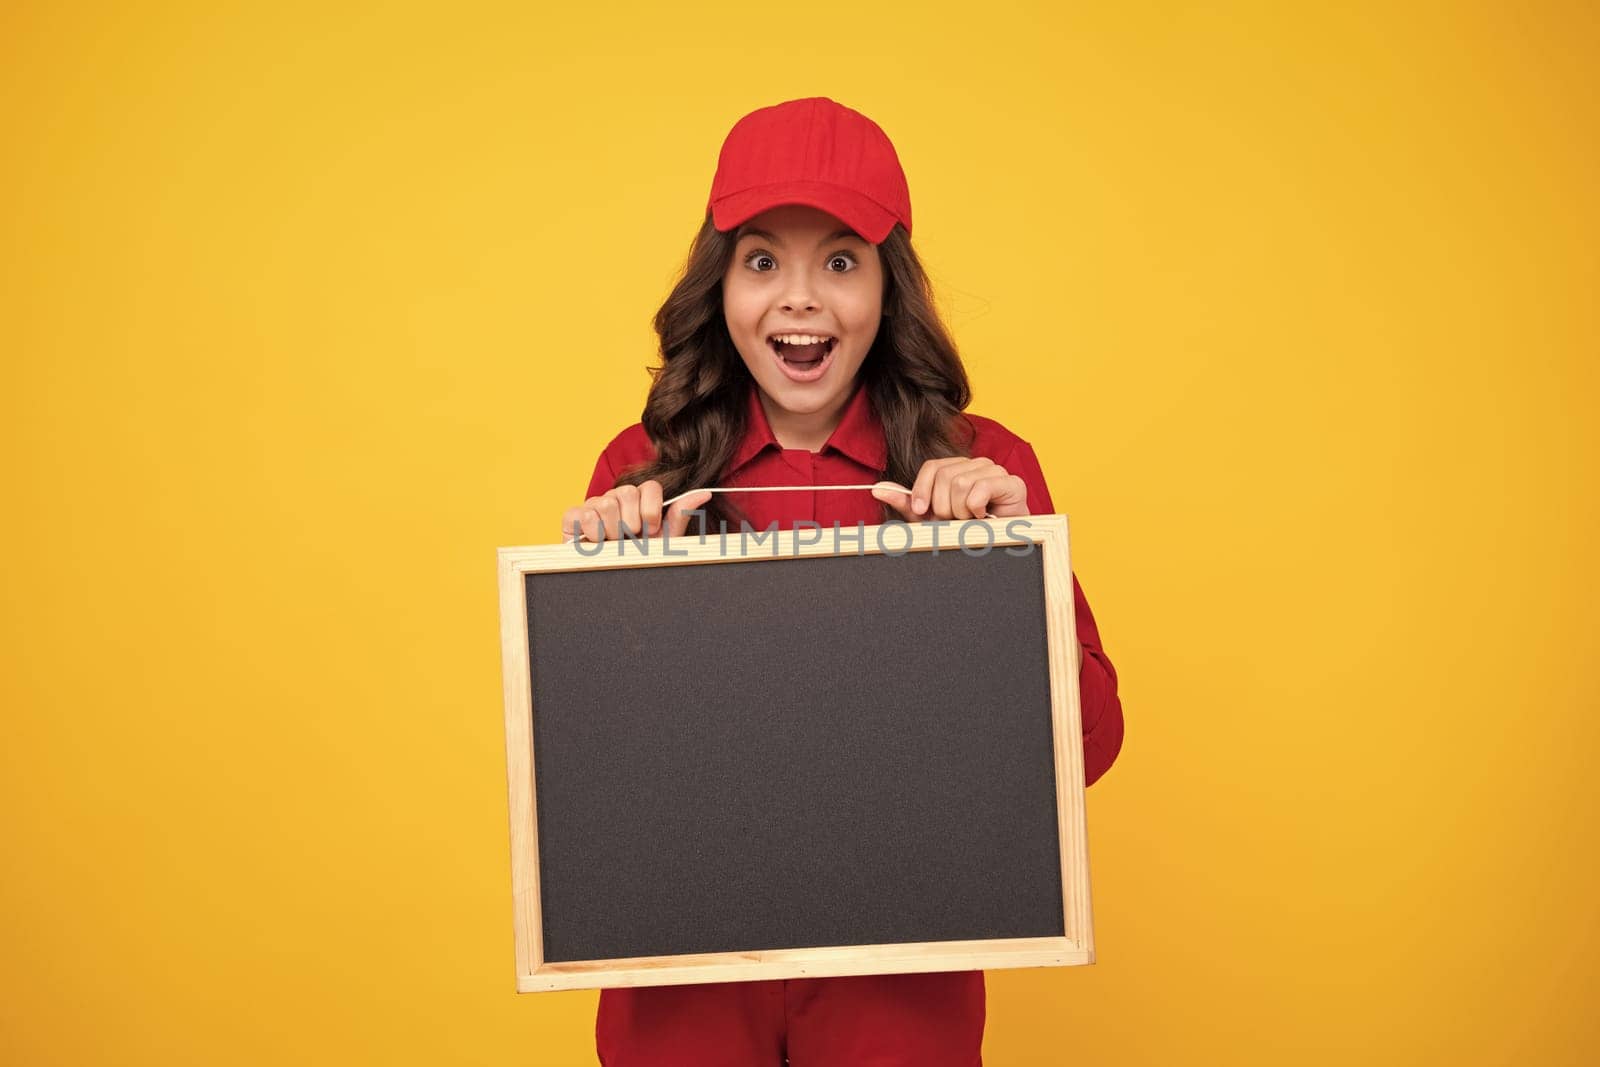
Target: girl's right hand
column 636, row 506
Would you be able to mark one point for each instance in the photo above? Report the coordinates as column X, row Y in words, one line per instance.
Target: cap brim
column 862, row 214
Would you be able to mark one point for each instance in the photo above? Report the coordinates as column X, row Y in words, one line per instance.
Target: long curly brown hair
column 695, row 413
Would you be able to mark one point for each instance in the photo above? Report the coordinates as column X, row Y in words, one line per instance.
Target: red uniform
column 930, row 1020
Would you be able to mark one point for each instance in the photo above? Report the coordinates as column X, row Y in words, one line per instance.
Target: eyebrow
column 846, row 232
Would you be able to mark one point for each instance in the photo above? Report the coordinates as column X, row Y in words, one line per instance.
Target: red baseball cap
column 815, row 152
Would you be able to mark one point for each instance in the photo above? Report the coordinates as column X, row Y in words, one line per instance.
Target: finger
column 900, row 502
column 958, row 485
column 994, row 489
column 1009, row 498
column 609, row 510
column 983, row 490
column 951, row 485
column 571, row 518
column 677, row 517
column 650, row 506
column 589, row 520
column 628, row 498
column 922, row 488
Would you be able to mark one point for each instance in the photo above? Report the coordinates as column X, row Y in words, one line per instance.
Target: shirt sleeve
column 603, row 479
column 1100, row 705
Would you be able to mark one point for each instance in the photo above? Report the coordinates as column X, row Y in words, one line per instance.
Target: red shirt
column 856, row 454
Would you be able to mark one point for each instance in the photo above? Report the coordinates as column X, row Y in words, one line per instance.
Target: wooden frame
column 534, row 974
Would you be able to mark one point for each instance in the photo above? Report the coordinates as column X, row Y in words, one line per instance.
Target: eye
column 760, row 262
column 846, row 259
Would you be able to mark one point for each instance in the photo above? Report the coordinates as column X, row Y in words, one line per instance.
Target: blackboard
column 794, row 760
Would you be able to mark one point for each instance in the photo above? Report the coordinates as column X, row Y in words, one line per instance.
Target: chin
column 807, row 404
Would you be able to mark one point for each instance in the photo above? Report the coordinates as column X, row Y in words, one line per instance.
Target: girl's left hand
column 959, row 488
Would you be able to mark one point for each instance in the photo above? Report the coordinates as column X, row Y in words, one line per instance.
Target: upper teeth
column 799, row 338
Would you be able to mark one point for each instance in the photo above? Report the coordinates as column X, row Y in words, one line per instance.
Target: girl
column 802, row 348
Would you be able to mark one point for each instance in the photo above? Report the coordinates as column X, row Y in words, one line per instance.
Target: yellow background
column 304, row 313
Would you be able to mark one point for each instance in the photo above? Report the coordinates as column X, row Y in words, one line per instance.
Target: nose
column 800, row 294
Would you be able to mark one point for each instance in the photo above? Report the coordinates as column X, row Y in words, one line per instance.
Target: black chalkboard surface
column 799, row 761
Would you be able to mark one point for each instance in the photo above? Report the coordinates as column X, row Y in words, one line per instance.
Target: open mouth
column 804, row 357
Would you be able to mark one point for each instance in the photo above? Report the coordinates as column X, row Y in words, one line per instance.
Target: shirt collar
column 859, row 434
column 757, row 434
